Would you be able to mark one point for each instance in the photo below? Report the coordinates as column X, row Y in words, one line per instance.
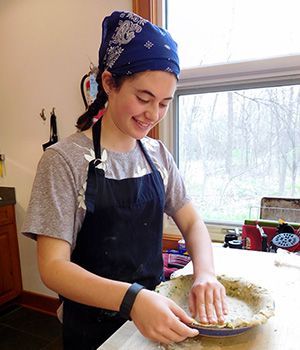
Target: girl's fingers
column 210, row 307
column 224, row 302
column 183, row 331
column 200, row 301
column 202, row 313
column 176, row 331
column 208, row 302
column 218, row 304
column 192, row 305
column 180, row 314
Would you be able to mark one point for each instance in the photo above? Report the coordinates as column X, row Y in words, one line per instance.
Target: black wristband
column 129, row 299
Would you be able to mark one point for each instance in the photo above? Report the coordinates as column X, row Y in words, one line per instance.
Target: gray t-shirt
column 57, row 205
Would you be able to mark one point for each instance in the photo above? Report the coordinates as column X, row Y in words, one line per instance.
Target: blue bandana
column 131, row 44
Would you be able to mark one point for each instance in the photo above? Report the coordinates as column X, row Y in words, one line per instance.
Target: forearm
column 197, row 239
column 199, row 247
column 207, row 298
column 72, row 281
column 80, row 285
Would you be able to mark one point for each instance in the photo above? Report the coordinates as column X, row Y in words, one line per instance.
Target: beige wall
column 45, row 50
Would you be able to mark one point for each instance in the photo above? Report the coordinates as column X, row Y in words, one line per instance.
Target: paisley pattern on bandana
column 113, row 53
column 133, row 17
column 123, row 35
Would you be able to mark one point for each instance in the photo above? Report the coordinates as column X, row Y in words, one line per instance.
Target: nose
column 152, row 112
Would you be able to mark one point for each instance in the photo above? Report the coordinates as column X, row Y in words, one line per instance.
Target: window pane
column 215, row 31
column 236, row 147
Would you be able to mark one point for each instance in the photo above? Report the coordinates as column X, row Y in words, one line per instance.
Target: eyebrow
column 152, row 95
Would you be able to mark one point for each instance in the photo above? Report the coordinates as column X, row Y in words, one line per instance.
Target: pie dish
column 249, row 304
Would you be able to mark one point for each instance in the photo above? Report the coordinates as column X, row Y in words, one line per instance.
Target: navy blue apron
column 120, row 239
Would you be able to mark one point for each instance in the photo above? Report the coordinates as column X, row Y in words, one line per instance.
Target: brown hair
column 85, row 121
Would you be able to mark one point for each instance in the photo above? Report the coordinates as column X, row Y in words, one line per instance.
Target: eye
column 142, row 100
column 163, row 105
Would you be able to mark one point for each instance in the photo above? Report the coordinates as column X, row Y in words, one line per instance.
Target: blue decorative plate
column 220, row 332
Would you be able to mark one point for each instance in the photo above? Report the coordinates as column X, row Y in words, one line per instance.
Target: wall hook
column 42, row 114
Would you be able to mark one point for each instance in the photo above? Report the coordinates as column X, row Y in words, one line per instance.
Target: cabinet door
column 10, row 278
column 6, row 215
column 6, row 274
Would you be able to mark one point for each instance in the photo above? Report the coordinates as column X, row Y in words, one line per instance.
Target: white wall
column 45, row 50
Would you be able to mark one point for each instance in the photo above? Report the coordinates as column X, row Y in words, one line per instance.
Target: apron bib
column 120, row 239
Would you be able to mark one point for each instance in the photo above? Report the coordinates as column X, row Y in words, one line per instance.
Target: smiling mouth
column 143, row 125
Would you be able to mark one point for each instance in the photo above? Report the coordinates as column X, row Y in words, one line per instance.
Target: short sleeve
column 176, row 194
column 53, row 201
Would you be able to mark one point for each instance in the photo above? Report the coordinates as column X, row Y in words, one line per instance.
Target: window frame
column 151, row 10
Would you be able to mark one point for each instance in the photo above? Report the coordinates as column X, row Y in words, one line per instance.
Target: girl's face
column 141, row 102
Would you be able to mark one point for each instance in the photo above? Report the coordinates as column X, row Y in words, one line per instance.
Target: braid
column 85, row 121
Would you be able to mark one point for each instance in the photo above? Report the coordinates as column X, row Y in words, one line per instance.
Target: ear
column 107, row 81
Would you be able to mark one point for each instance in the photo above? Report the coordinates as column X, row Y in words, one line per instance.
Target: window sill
column 216, row 231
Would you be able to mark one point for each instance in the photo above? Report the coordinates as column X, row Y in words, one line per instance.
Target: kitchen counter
column 7, row 196
column 281, row 332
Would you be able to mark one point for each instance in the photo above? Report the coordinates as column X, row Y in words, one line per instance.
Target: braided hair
column 85, row 121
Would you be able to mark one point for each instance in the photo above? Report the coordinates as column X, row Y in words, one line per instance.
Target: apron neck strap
column 148, row 158
column 97, row 146
column 96, row 138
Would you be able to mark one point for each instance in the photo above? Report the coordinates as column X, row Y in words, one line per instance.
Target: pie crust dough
column 249, row 304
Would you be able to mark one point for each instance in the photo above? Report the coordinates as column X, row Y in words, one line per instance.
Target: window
column 239, row 145
column 236, row 114
column 214, row 31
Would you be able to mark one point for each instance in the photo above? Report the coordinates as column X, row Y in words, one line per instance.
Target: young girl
column 99, row 196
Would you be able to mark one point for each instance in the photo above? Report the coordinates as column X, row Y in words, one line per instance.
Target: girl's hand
column 160, row 319
column 207, row 300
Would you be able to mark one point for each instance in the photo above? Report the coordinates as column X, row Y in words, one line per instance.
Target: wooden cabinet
column 10, row 271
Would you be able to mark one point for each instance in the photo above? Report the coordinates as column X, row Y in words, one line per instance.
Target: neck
column 112, row 138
